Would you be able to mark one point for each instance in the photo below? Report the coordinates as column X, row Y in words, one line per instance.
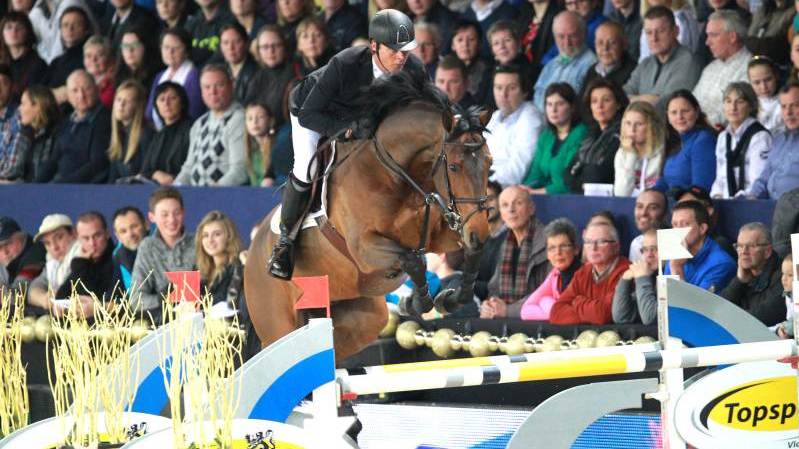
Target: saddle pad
column 310, row 219
column 309, row 222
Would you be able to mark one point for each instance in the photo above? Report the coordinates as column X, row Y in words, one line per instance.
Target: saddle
column 316, row 214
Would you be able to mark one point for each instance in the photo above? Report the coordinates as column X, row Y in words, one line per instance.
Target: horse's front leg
column 449, row 300
column 413, row 263
column 377, row 252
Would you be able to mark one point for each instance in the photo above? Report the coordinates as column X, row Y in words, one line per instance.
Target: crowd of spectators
column 612, row 97
column 553, row 272
column 99, row 264
column 530, row 270
column 652, row 99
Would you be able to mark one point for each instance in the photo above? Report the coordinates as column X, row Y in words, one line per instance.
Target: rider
column 324, row 104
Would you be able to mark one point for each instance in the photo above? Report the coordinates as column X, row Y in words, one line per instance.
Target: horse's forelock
column 469, row 121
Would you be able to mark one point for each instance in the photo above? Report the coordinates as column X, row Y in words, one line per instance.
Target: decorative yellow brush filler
column 204, row 388
column 13, row 388
column 91, row 372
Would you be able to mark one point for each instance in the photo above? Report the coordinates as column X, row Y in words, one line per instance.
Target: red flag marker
column 186, row 286
column 315, row 293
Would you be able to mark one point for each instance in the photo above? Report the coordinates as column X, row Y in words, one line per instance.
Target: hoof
column 446, row 301
column 404, row 307
column 414, row 305
column 422, row 304
column 450, row 300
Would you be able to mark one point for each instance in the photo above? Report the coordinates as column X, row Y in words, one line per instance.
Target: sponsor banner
column 49, row 433
column 745, row 405
column 253, row 434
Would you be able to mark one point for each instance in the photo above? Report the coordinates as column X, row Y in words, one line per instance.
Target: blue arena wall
column 29, row 203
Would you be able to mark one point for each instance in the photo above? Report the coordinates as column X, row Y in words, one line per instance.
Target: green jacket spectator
column 551, row 159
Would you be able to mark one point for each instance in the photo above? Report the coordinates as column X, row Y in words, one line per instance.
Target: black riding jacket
column 325, row 100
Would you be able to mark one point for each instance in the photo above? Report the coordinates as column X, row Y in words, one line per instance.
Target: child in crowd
column 260, row 128
column 763, row 76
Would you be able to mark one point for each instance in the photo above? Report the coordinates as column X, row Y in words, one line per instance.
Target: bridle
column 449, row 209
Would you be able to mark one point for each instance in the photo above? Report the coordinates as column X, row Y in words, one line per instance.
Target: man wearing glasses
column 711, row 267
column 757, row 287
column 636, row 299
column 589, row 297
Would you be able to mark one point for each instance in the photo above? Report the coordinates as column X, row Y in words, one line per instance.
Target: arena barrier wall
column 29, row 203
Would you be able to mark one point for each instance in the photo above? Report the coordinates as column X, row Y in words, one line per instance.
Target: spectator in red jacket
column 589, row 297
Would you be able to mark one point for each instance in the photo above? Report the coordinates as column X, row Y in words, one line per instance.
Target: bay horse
column 419, row 185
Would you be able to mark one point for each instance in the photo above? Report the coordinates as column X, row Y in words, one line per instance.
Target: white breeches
column 304, row 141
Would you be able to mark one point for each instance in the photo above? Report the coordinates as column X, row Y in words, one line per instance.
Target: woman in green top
column 558, row 143
column 260, row 131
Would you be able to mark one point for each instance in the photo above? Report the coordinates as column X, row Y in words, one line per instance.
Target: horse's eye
column 453, row 168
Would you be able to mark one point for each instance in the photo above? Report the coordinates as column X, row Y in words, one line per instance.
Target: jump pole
column 582, row 363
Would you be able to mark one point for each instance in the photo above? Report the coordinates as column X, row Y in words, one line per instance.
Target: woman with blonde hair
column 314, row 47
column 98, row 59
column 218, row 246
column 39, row 113
column 646, row 141
column 130, row 133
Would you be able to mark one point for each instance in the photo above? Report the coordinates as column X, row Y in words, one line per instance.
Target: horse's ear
column 449, row 121
column 484, row 117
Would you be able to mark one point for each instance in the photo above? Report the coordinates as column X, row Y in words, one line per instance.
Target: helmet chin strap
column 376, row 53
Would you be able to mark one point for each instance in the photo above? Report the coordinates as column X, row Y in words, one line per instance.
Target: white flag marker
column 671, row 244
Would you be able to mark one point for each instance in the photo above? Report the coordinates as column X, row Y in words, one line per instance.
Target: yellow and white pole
column 544, row 366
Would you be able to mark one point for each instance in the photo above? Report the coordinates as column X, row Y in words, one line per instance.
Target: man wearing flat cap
column 22, row 258
column 57, row 234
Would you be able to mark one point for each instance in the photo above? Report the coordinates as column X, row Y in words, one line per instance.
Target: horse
column 418, row 185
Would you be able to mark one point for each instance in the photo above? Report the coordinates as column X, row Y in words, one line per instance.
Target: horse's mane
column 396, row 91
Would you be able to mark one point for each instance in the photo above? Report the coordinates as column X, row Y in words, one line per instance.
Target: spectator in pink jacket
column 562, row 255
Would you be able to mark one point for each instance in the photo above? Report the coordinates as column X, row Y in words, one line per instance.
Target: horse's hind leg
column 269, row 300
column 357, row 323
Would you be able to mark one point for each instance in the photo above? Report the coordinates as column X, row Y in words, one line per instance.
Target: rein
column 449, row 210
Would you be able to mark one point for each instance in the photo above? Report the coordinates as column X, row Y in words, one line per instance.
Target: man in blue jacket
column 711, row 267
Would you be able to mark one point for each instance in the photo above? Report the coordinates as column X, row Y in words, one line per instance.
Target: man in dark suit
column 121, row 15
column 324, row 104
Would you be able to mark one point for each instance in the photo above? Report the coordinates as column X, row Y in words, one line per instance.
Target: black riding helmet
column 393, row 29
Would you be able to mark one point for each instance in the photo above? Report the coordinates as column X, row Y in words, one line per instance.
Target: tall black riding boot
column 296, row 195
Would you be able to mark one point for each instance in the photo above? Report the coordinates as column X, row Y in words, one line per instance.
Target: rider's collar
column 376, row 72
